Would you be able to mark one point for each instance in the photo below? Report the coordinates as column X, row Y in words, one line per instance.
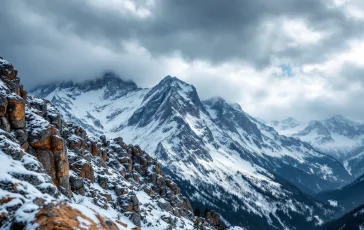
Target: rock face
column 53, row 171
column 62, row 216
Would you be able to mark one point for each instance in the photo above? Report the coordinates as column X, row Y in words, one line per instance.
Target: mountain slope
column 351, row 221
column 348, row 197
column 219, row 155
column 56, row 176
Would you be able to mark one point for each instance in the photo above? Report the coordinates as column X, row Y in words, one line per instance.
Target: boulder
column 4, row 124
column 21, row 135
column 8, row 71
column 164, row 205
column 16, row 112
column 77, row 184
column 3, row 105
column 46, row 157
column 41, row 139
column 83, row 169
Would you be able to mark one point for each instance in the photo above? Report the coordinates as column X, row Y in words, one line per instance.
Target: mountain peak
column 290, row 120
column 338, row 117
column 216, row 99
column 108, row 79
column 173, row 81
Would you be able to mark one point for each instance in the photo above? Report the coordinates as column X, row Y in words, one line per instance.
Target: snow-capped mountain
column 287, row 126
column 219, row 155
column 337, row 136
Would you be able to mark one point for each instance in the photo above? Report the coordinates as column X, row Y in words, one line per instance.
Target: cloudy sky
column 277, row 58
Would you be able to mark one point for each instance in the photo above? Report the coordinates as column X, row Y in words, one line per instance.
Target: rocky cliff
column 54, row 175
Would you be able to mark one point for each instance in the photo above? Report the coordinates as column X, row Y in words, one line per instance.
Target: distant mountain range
column 337, row 136
column 220, row 156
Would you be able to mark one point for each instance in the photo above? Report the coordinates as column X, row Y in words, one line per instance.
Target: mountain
column 351, row 221
column 347, row 197
column 219, row 155
column 54, row 175
column 287, row 126
column 336, row 136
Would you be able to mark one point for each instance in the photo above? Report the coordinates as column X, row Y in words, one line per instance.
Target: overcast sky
column 277, row 58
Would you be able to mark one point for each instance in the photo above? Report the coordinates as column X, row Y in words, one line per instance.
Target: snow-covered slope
column 219, row 155
column 353, row 220
column 347, row 197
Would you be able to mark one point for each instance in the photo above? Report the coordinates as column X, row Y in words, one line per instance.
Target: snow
column 333, row 203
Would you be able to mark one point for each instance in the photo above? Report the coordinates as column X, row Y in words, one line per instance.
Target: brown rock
column 16, row 112
column 3, row 105
column 84, row 169
column 25, row 146
column 61, row 216
column 57, row 143
column 47, row 159
column 43, row 140
column 104, row 155
column 121, row 223
column 4, row 124
column 8, row 71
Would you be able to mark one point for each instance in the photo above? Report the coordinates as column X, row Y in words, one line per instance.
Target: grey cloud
column 215, row 31
column 52, row 40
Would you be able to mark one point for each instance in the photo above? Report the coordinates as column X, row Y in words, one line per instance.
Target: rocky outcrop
column 112, row 164
column 213, row 218
column 62, row 216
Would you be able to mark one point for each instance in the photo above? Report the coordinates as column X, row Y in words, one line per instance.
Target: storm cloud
column 277, row 58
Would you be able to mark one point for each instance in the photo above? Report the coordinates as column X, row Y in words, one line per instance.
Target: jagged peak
column 338, row 118
column 316, row 123
column 174, row 84
column 170, row 81
column 217, row 100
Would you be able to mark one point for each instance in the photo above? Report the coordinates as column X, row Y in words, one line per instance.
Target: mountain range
column 337, row 136
column 220, row 156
